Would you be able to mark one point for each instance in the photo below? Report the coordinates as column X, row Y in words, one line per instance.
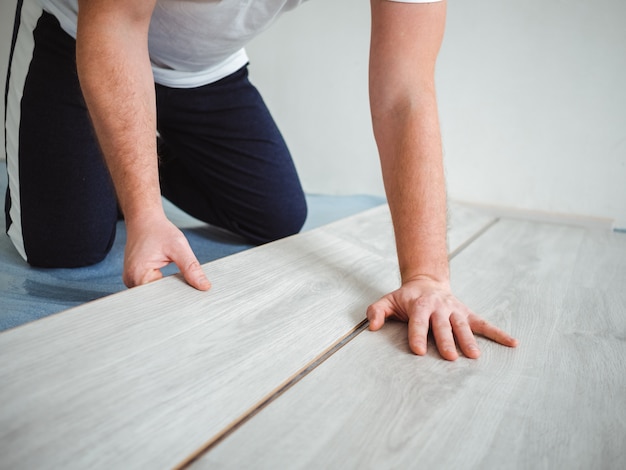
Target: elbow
column 402, row 107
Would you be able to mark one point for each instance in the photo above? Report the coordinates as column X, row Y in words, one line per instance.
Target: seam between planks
column 276, row 393
column 306, row 370
column 473, row 238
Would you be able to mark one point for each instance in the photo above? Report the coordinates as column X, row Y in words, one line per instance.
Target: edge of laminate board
column 480, row 221
column 178, row 279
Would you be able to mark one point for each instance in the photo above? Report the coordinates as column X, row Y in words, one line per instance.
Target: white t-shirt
column 196, row 42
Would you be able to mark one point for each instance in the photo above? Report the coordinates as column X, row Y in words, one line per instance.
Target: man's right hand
column 152, row 244
column 116, row 79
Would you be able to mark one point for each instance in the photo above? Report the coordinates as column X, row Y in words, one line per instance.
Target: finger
column 483, row 327
column 464, row 336
column 194, row 275
column 377, row 313
column 190, row 268
column 442, row 331
column 418, row 332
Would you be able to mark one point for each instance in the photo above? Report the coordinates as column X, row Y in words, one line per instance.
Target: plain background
column 532, row 97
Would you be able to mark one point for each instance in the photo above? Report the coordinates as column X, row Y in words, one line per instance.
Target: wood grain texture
column 143, row 378
column 557, row 401
column 373, row 231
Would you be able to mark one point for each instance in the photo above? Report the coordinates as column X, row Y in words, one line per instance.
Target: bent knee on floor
column 51, row 251
column 64, row 259
column 277, row 223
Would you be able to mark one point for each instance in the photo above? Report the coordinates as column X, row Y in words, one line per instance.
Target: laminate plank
column 145, row 377
column 556, row 401
column 373, row 231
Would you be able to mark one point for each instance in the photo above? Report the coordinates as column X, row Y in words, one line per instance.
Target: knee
column 279, row 221
column 47, row 250
column 59, row 258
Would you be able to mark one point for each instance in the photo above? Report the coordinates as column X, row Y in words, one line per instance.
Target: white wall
column 312, row 70
column 532, row 98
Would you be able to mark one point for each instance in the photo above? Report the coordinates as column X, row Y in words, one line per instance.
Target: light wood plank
column 146, row 377
column 557, row 401
column 373, row 231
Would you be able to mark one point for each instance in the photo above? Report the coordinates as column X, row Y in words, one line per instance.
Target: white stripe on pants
column 18, row 69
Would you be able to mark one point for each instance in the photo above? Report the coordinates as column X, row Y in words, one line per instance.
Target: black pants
column 222, row 158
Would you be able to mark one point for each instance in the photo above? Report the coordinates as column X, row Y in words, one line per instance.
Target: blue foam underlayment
column 27, row 294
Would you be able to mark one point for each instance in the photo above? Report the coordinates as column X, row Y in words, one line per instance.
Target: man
column 127, row 69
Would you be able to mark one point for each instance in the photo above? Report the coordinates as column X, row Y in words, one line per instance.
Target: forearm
column 409, row 144
column 405, row 44
column 116, row 80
